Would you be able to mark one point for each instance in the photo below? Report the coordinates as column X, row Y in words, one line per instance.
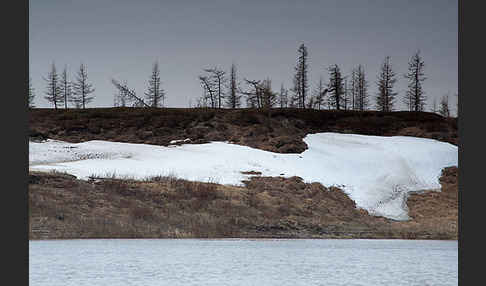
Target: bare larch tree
column 415, row 96
column 253, row 93
column 155, row 95
column 209, row 91
column 362, row 101
column 121, row 97
column 301, row 81
column 81, row 88
column 320, row 94
column 53, row 90
column 217, row 77
column 335, row 86
column 346, row 94
column 444, row 106
column 31, row 95
column 66, row 88
column 269, row 98
column 234, row 97
column 386, row 80
column 354, row 88
column 283, row 97
column 129, row 94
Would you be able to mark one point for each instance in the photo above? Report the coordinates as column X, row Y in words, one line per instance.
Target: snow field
column 376, row 172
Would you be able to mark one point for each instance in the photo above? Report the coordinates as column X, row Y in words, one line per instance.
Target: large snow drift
column 376, row 172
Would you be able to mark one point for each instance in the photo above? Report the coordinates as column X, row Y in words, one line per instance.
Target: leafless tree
column 209, row 91
column 346, row 94
column 234, row 97
column 121, row 98
column 320, row 94
column 444, row 106
column 66, row 88
column 129, row 94
column 269, row 98
column 31, row 95
column 217, row 80
column 155, row 95
column 354, row 88
column 386, row 80
column 362, row 90
column 53, row 90
column 253, row 94
column 335, row 86
column 301, row 80
column 415, row 96
column 283, row 97
column 81, row 88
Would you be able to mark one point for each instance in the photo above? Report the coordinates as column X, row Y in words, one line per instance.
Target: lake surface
column 242, row 262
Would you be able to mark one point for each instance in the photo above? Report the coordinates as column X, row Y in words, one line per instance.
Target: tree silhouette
column 53, row 90
column 335, row 86
column 386, row 80
column 217, row 80
column 81, row 88
column 415, row 96
column 320, row 94
column 66, row 89
column 234, row 97
column 301, row 80
column 209, row 91
column 129, row 94
column 444, row 106
column 283, row 97
column 253, row 94
column 155, row 95
column 362, row 90
column 31, row 95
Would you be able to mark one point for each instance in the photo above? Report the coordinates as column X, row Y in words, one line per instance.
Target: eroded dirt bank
column 280, row 130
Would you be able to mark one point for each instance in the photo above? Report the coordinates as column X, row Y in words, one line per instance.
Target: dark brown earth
column 60, row 206
column 281, row 130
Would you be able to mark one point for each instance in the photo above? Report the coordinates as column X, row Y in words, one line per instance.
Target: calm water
column 242, row 262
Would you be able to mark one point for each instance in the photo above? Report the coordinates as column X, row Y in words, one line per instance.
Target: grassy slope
column 61, row 206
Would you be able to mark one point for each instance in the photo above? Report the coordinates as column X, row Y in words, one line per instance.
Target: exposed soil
column 280, row 130
column 60, row 206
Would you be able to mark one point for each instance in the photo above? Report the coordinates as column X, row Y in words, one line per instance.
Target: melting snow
column 376, row 172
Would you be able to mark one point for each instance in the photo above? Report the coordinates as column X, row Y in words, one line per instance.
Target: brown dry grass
column 167, row 207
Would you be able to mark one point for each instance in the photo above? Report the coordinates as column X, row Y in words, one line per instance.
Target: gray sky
column 122, row 38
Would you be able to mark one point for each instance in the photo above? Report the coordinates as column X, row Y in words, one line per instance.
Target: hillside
column 62, row 206
column 281, row 130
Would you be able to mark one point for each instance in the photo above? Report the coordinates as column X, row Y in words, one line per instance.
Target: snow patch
column 376, row 172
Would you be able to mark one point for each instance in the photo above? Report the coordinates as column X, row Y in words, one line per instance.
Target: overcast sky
column 121, row 39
